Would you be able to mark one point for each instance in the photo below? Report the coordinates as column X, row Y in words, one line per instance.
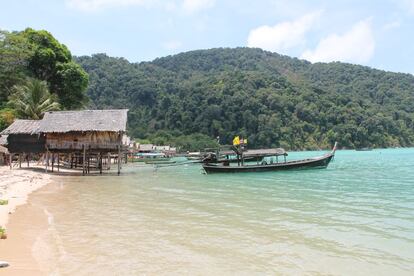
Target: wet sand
column 28, row 248
column 25, row 229
column 15, row 187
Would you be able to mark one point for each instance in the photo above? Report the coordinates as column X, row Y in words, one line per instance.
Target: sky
column 378, row 33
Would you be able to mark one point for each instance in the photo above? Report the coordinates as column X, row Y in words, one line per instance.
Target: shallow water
column 355, row 217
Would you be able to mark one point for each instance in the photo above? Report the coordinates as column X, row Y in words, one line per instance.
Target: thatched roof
column 22, row 127
column 84, row 120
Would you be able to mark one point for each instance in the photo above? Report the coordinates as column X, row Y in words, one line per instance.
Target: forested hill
column 273, row 100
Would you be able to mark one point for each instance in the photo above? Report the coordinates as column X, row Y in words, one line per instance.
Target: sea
column 354, row 218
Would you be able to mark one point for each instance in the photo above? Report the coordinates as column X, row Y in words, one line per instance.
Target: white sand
column 16, row 185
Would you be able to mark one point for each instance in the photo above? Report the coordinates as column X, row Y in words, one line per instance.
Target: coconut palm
column 32, row 100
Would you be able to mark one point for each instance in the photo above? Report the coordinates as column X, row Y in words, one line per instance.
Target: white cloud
column 187, row 6
column 357, row 45
column 172, row 45
column 392, row 25
column 193, row 6
column 409, row 5
column 283, row 36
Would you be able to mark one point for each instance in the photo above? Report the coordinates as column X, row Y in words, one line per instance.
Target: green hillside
column 273, row 100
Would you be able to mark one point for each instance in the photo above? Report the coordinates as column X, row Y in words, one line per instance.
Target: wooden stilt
column 28, row 159
column 100, row 163
column 108, row 163
column 84, row 158
column 58, row 159
column 46, row 160
column 20, row 160
column 119, row 161
column 53, row 161
column 89, row 159
column 11, row 160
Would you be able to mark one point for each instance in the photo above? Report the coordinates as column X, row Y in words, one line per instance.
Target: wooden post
column 20, row 160
column 58, row 161
column 89, row 159
column 119, row 161
column 83, row 163
column 11, row 160
column 109, row 161
column 46, row 160
column 100, row 163
column 53, row 161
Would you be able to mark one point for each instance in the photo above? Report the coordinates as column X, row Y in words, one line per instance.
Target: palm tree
column 32, row 100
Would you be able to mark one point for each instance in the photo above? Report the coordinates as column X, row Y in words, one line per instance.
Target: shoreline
column 30, row 247
column 23, row 221
column 15, row 187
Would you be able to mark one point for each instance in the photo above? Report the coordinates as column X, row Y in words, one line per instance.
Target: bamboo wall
column 77, row 140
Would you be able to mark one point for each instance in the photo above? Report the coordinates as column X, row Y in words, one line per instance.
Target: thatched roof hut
column 92, row 129
column 23, row 136
column 84, row 121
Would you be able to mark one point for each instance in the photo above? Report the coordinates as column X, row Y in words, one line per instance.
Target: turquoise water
column 354, row 218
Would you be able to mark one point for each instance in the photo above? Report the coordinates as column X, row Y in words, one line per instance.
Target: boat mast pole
column 242, row 156
column 238, row 155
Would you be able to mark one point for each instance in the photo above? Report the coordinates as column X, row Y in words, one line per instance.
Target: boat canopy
column 258, row 152
column 264, row 152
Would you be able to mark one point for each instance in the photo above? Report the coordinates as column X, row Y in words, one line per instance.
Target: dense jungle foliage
column 37, row 74
column 271, row 99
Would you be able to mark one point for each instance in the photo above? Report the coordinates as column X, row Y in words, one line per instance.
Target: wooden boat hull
column 312, row 163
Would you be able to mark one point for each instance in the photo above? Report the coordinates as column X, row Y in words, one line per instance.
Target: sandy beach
column 15, row 187
column 24, row 223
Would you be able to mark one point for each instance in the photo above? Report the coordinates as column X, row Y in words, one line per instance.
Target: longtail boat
column 315, row 162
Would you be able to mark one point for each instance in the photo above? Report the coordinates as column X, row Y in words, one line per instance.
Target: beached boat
column 316, row 162
column 150, row 156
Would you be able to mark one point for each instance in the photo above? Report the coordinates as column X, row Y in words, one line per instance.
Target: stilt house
column 89, row 133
